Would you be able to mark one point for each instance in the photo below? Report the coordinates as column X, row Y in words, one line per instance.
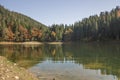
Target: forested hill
column 105, row 26
column 18, row 27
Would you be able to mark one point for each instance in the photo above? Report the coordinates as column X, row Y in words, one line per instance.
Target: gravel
column 10, row 71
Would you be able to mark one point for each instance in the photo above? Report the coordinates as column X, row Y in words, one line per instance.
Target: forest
column 17, row 27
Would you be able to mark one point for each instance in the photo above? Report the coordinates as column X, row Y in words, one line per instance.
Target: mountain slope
column 18, row 27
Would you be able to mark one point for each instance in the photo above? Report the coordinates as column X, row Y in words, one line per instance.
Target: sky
column 51, row 12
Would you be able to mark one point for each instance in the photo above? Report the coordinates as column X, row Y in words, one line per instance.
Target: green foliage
column 106, row 26
column 18, row 27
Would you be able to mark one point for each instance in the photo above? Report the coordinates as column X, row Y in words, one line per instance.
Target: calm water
column 76, row 61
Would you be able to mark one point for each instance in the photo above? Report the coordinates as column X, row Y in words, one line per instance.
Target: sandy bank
column 54, row 42
column 31, row 43
column 21, row 43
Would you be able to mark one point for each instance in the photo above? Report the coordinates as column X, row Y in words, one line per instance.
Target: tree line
column 18, row 27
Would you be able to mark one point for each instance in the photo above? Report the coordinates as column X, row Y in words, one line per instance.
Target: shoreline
column 31, row 43
column 11, row 71
column 41, row 43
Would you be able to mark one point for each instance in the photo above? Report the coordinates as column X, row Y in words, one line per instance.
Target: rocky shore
column 10, row 71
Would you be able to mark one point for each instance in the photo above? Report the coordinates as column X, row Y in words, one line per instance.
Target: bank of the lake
column 10, row 71
column 32, row 42
column 68, row 42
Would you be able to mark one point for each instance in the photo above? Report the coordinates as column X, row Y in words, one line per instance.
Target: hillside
column 17, row 27
column 102, row 27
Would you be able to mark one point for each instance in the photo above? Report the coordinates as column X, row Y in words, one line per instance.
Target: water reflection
column 81, row 61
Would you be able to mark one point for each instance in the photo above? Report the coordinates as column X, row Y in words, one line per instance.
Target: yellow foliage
column 70, row 30
column 53, row 33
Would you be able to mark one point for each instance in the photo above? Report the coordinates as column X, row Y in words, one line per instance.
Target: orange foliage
column 118, row 13
column 36, row 32
column 25, row 32
column 22, row 29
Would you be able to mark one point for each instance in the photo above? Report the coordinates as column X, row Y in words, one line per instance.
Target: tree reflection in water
column 103, row 57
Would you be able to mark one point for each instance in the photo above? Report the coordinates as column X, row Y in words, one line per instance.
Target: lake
column 72, row 61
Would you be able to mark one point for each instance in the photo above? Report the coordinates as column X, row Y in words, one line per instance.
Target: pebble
column 15, row 64
column 3, row 78
column 7, row 70
column 1, row 64
column 8, row 76
column 11, row 67
column 16, row 77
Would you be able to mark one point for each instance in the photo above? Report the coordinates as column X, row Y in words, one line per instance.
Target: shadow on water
column 103, row 57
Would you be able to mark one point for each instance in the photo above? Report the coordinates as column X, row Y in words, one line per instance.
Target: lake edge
column 38, row 43
column 10, row 70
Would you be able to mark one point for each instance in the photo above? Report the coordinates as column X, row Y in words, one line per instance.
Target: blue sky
column 51, row 12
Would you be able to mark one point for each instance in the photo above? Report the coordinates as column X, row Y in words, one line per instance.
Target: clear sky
column 59, row 11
